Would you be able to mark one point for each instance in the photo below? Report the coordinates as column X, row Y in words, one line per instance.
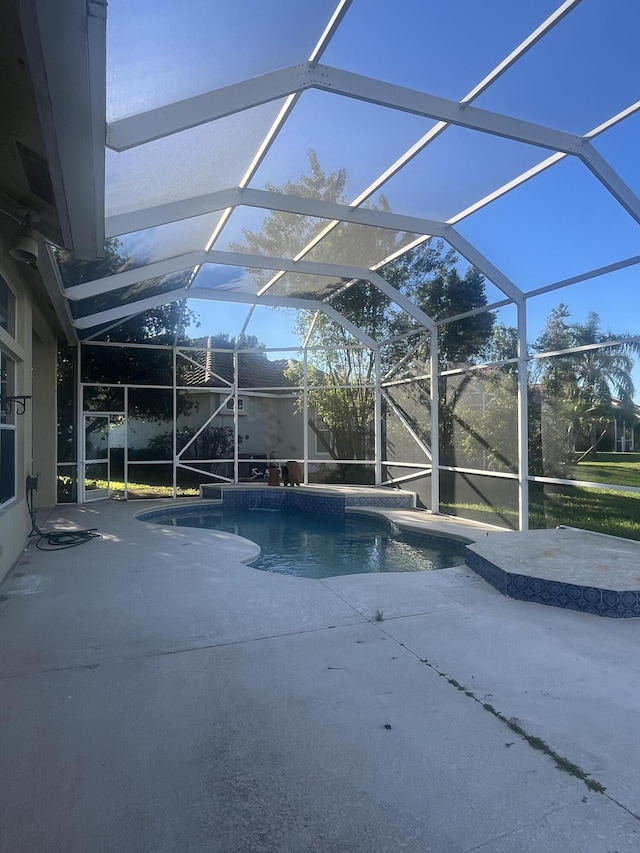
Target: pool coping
column 417, row 526
column 563, row 567
column 235, row 547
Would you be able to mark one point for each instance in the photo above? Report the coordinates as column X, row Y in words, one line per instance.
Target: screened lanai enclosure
column 396, row 242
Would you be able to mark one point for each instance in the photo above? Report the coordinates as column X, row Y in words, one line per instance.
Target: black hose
column 57, row 540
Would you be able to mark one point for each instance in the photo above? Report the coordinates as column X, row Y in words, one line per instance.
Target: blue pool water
column 320, row 546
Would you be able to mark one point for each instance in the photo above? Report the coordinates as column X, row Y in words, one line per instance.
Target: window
column 230, row 405
column 323, row 437
column 7, row 431
column 7, row 308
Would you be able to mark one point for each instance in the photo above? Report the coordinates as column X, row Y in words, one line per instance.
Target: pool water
column 319, row 546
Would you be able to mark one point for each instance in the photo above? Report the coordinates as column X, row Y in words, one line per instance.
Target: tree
column 340, row 399
column 343, row 396
column 435, row 285
column 342, row 377
column 486, row 417
column 160, row 326
column 603, row 377
column 584, row 390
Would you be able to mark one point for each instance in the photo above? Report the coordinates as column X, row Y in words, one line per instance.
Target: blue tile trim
column 489, row 571
column 615, row 604
column 391, row 502
column 301, row 501
column 208, row 490
column 289, row 500
column 286, row 500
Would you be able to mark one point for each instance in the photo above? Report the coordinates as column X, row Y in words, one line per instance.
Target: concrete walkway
column 158, row 695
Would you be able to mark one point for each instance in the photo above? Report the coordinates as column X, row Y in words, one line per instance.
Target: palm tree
column 591, row 386
column 603, row 385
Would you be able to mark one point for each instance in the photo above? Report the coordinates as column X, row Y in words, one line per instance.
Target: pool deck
column 160, row 695
column 565, row 567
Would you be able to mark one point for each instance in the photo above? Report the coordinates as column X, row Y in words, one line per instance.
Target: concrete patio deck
column 159, row 695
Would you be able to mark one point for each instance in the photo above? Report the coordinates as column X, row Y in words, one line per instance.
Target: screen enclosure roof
column 273, row 151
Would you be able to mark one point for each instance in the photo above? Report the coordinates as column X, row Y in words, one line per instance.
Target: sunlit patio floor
column 159, row 695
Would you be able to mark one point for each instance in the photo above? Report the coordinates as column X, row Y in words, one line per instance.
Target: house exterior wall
column 268, row 426
column 30, row 344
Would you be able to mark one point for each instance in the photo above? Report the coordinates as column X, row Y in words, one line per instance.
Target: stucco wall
column 35, row 429
column 44, row 420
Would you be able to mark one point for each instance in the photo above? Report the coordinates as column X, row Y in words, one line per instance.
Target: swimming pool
column 320, row 546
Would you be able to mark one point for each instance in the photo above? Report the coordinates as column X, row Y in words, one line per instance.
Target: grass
column 604, row 469
column 143, row 491
column 600, row 510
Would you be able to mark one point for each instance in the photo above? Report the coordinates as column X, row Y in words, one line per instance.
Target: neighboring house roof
column 215, row 367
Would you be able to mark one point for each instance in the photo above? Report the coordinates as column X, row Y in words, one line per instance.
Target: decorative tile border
column 208, row 490
column 392, row 502
column 285, row 500
column 616, row 604
column 289, row 500
column 304, row 501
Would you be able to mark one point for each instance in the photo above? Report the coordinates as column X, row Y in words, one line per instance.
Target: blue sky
column 560, row 224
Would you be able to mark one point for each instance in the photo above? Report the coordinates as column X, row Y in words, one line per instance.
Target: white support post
column 378, row 416
column 523, row 420
column 435, row 428
column 174, row 446
column 305, row 415
column 236, row 445
column 80, row 437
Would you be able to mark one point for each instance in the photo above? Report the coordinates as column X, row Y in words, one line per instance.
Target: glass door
column 97, row 464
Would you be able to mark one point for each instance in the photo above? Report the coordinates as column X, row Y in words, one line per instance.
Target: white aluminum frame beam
column 409, row 427
column 518, row 52
column 330, row 30
column 191, row 112
column 541, row 167
column 161, row 268
column 268, row 200
column 173, row 118
column 191, row 259
column 477, row 259
column 406, row 304
column 610, row 179
column 121, row 312
column 585, row 276
column 151, row 217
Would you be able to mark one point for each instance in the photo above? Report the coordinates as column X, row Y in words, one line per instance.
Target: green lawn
column 600, row 510
column 135, row 491
column 145, row 491
column 620, row 469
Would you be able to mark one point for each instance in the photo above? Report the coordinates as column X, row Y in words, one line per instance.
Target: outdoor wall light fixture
column 25, row 249
column 20, row 402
